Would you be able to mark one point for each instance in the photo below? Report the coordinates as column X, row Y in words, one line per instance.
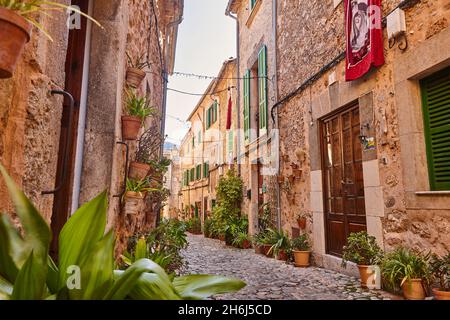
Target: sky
column 206, row 38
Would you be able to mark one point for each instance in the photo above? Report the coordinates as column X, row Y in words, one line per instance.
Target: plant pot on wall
column 139, row 171
column 301, row 223
column 135, row 77
column 131, row 126
column 413, row 289
column 15, row 32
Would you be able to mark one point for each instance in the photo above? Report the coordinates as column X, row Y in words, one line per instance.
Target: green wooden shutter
column 208, row 122
column 206, row 170
column 436, row 111
column 216, row 112
column 262, row 75
column 252, row 4
column 192, row 178
column 247, row 105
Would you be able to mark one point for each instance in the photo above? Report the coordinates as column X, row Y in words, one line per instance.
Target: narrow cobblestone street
column 269, row 279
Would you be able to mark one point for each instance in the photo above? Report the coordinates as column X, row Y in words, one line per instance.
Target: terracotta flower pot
column 258, row 249
column 131, row 126
column 282, row 255
column 302, row 258
column 246, row 244
column 413, row 290
column 15, row 32
column 135, row 77
column 301, row 223
column 134, row 195
column 266, row 250
column 441, row 295
column 365, row 274
column 138, row 171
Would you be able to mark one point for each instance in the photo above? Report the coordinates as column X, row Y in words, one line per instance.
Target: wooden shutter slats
column 436, row 109
column 247, row 105
column 262, row 75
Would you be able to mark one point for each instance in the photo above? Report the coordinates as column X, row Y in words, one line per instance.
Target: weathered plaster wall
column 311, row 34
column 30, row 117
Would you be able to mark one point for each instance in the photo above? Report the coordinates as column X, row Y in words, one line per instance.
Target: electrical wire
column 207, row 77
column 199, row 94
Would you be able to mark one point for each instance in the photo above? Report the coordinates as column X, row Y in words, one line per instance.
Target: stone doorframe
column 337, row 96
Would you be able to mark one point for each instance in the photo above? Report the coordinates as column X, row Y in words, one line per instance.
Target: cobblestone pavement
column 269, row 279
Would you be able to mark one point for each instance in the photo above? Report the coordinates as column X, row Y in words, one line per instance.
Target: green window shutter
column 436, row 111
column 252, row 4
column 216, row 111
column 262, row 75
column 247, row 105
column 207, row 119
column 206, row 170
column 230, row 141
column 192, row 173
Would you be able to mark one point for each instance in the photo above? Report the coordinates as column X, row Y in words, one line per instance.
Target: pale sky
column 206, row 38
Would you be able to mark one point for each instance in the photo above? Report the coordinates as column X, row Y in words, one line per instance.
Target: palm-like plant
column 279, row 240
column 28, row 8
column 138, row 106
column 28, row 273
column 137, row 63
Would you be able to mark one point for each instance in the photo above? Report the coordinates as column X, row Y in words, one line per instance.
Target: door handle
column 68, row 139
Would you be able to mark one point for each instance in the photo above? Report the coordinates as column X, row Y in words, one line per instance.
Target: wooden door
column 73, row 83
column 345, row 211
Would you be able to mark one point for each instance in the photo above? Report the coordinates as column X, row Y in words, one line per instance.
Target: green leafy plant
column 440, row 270
column 29, row 8
column 404, row 265
column 361, row 249
column 240, row 238
column 279, row 240
column 138, row 63
column 138, row 106
column 86, row 253
column 265, row 217
column 262, row 238
column 194, row 226
column 138, row 186
column 301, row 243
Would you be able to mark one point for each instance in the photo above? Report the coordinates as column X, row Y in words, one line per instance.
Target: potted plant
column 301, row 249
column 301, row 221
column 146, row 153
column 138, row 109
column 242, row 240
column 261, row 243
column 408, row 270
column 363, row 250
column 136, row 189
column 281, row 245
column 16, row 21
column 135, row 70
column 440, row 270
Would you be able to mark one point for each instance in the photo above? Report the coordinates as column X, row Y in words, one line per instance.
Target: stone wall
column 30, row 117
column 311, row 34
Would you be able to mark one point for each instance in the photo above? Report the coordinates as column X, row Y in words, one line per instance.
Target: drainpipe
column 275, row 84
column 238, row 98
column 82, row 117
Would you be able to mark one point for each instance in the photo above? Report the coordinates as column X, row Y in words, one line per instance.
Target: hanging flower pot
column 131, row 125
column 301, row 221
column 138, row 171
column 15, row 32
column 135, row 77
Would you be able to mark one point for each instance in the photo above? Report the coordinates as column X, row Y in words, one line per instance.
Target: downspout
column 275, row 84
column 238, row 84
column 82, row 117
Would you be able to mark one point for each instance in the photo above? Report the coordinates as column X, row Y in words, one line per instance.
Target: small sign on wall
column 369, row 144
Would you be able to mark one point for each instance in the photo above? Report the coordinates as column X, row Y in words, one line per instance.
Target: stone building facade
column 398, row 201
column 90, row 64
column 258, row 142
column 173, row 184
column 208, row 150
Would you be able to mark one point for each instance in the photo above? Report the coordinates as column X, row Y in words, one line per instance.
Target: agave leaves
column 86, row 261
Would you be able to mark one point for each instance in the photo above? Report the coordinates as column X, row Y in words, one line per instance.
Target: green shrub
column 85, row 267
column 301, row 243
column 361, row 249
column 440, row 269
column 280, row 242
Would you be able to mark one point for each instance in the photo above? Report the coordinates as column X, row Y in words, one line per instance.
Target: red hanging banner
column 364, row 34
